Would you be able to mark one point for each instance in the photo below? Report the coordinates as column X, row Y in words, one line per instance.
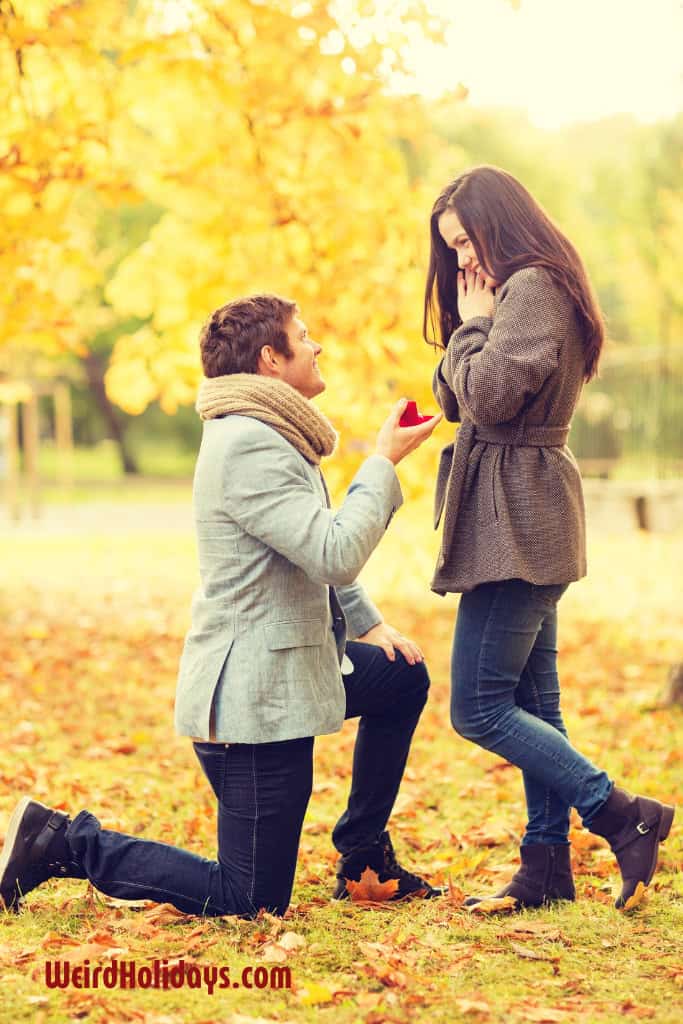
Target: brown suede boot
column 545, row 875
column 634, row 826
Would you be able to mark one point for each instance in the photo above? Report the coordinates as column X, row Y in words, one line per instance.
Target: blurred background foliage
column 158, row 159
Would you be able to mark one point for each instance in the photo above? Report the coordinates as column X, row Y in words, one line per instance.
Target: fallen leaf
column 370, row 888
column 488, row 835
column 290, row 941
column 313, row 994
column 165, row 913
column 456, row 896
column 544, row 1016
column 634, row 1010
column 473, row 1006
column 636, row 899
column 92, row 950
column 532, row 954
column 540, row 929
column 273, row 954
column 494, row 905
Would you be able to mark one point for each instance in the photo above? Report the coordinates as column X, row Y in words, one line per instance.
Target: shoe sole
column 418, row 894
column 640, row 892
column 10, row 840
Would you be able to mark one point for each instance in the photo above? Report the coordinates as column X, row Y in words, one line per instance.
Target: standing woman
column 513, row 309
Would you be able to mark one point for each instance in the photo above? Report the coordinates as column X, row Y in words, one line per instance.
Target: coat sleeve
column 266, row 491
column 359, row 611
column 495, row 366
column 448, row 403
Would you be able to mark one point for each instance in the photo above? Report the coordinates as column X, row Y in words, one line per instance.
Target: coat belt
column 453, row 461
column 533, row 437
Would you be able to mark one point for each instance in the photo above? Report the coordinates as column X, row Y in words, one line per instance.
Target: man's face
column 301, row 369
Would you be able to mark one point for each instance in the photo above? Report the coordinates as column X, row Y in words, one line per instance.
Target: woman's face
column 456, row 238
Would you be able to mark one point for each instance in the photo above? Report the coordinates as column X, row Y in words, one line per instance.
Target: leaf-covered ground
column 90, row 632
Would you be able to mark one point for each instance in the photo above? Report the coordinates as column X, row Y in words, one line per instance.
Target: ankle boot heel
column 666, row 822
column 634, row 826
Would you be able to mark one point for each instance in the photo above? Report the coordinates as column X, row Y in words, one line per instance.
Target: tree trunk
column 94, row 368
column 674, row 696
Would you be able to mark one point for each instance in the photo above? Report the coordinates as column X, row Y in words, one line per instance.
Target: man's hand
column 475, row 295
column 390, row 640
column 396, row 442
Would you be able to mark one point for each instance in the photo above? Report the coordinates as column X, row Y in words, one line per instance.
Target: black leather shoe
column 545, row 875
column 372, row 873
column 634, row 826
column 35, row 849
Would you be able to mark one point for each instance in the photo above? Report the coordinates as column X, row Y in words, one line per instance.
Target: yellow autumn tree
column 58, row 98
column 266, row 134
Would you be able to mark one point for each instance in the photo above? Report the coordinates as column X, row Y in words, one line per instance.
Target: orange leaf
column 370, row 888
column 456, row 896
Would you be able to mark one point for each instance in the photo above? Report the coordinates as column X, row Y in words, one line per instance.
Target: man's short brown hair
column 233, row 336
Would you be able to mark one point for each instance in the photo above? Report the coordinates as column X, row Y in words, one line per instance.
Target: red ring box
column 411, row 417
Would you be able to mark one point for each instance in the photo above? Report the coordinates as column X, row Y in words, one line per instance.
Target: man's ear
column 267, row 362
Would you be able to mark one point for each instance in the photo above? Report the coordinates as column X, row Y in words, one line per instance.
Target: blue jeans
column 262, row 791
column 506, row 698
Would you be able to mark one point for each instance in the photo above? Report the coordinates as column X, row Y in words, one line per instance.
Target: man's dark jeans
column 262, row 792
column 506, row 698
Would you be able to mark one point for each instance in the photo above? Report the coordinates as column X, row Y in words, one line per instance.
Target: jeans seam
column 534, row 746
column 156, row 888
column 481, row 649
column 539, row 707
column 253, row 846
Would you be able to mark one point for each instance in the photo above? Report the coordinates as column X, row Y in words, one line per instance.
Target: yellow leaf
column 637, row 898
column 494, row 905
column 314, row 994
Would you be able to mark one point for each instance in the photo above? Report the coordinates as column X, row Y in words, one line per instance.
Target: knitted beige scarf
column 270, row 401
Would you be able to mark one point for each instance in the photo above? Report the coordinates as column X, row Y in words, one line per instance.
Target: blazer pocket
column 295, row 633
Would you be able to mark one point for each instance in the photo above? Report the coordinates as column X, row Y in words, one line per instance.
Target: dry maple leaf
column 370, row 889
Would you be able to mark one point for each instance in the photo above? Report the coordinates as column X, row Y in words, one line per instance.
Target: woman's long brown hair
column 509, row 230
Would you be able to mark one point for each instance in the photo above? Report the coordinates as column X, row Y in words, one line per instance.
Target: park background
column 160, row 157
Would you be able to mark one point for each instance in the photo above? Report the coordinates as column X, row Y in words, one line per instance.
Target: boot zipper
column 549, row 873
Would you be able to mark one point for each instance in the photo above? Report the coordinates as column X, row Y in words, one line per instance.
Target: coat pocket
column 295, row 633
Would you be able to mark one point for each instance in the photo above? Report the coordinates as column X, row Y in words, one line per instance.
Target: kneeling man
column 267, row 665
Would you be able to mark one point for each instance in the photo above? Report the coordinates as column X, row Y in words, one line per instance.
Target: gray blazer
column 261, row 661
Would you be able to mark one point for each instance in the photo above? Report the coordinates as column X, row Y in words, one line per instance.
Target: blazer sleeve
column 266, row 491
column 495, row 365
column 448, row 403
column 359, row 611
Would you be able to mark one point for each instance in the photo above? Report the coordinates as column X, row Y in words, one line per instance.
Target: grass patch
column 91, row 628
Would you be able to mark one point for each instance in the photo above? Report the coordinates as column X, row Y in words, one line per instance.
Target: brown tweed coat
column 509, row 487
